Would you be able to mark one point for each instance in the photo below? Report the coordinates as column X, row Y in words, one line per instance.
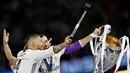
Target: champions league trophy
column 108, row 50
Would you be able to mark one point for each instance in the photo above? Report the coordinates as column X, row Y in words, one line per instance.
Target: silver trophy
column 106, row 50
column 111, row 54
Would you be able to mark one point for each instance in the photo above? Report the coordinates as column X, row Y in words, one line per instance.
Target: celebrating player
column 52, row 64
column 29, row 61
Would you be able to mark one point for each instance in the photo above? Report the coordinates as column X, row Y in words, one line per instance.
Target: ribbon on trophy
column 107, row 54
column 124, row 48
column 94, row 46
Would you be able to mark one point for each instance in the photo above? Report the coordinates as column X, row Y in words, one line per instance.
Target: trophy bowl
column 112, row 41
column 111, row 52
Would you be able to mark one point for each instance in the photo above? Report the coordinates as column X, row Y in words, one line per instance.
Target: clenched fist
column 97, row 31
column 68, row 40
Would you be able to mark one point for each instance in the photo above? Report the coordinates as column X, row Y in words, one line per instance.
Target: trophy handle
column 102, row 38
column 124, row 41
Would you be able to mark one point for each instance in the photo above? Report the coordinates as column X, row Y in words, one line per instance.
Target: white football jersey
column 14, row 71
column 55, row 63
column 52, row 64
column 30, row 60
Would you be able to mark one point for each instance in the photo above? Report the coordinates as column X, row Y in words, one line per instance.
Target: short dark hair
column 41, row 35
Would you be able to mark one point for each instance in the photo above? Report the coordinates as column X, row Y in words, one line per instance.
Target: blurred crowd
column 57, row 18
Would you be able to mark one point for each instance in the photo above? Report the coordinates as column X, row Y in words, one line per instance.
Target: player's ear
column 33, row 43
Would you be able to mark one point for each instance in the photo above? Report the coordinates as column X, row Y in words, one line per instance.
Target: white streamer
column 94, row 48
column 125, row 40
column 104, row 35
column 128, row 55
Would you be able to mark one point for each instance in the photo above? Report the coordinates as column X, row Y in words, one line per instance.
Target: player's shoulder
column 32, row 51
column 51, row 47
column 20, row 53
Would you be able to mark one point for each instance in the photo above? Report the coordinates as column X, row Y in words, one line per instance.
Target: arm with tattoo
column 59, row 47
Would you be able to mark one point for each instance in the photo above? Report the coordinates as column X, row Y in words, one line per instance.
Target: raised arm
column 41, row 54
column 59, row 47
column 7, row 50
column 85, row 40
column 81, row 43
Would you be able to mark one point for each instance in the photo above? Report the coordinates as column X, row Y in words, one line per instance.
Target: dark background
column 57, row 18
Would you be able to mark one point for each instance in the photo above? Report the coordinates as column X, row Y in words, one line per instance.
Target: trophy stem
column 96, row 63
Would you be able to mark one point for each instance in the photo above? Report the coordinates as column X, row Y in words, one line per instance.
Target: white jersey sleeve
column 30, row 60
column 20, row 53
column 41, row 54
